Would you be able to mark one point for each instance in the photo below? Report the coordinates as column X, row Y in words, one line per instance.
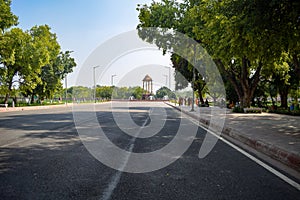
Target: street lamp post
column 94, row 68
column 169, row 76
column 193, row 93
column 112, row 79
column 66, row 77
column 298, row 94
column 166, row 79
column 66, row 82
column 193, row 81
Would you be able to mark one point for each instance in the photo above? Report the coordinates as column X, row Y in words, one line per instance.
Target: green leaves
column 41, row 51
column 125, row 92
column 252, row 33
column 104, row 92
column 13, row 47
column 30, row 60
column 52, row 74
column 164, row 91
column 7, row 18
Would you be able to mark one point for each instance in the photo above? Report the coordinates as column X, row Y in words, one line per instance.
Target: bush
column 253, row 110
column 285, row 112
column 246, row 110
column 238, row 110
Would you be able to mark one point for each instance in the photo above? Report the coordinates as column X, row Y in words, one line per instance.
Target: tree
column 165, row 91
column 138, row 92
column 14, row 45
column 260, row 94
column 53, row 73
column 80, row 92
column 280, row 79
column 121, row 93
column 185, row 69
column 43, row 52
column 104, row 92
column 7, row 18
column 125, row 92
column 230, row 34
column 244, row 37
column 231, row 94
column 171, row 14
column 282, row 19
column 30, row 60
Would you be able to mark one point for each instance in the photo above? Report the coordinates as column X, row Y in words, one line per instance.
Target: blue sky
column 81, row 26
column 69, row 18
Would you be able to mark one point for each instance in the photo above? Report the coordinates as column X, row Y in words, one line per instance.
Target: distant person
column 206, row 103
column 222, row 103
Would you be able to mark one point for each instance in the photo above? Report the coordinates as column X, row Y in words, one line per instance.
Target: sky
column 82, row 26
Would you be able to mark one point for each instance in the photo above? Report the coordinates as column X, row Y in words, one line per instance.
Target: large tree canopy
column 14, row 46
column 171, row 15
column 23, row 56
column 245, row 38
column 30, row 61
column 165, row 91
column 53, row 73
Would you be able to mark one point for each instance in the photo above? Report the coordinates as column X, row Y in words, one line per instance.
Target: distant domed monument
column 148, row 84
column 147, row 87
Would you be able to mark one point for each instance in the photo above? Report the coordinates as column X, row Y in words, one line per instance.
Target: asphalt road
column 42, row 157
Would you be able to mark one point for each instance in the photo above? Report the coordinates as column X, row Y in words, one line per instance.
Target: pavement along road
column 42, row 157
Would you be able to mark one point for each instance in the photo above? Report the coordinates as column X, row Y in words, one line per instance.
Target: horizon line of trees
column 113, row 92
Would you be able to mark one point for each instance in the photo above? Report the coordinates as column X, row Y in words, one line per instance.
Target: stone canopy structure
column 148, row 84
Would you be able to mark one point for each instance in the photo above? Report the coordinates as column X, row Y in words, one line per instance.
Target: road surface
column 42, row 157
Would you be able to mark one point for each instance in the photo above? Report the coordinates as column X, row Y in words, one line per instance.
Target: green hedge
column 285, row 112
column 238, row 110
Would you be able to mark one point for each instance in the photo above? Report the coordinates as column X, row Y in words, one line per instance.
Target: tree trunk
column 32, row 99
column 199, row 91
column 15, row 100
column 246, row 100
column 297, row 65
column 253, row 102
column 6, row 98
column 247, row 95
column 199, row 88
column 283, row 97
column 243, row 85
column 201, row 98
column 10, row 90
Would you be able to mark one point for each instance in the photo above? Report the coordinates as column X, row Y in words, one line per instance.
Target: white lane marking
column 16, row 142
column 116, row 178
column 259, row 162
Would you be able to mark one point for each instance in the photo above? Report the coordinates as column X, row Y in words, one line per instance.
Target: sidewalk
column 277, row 136
column 11, row 109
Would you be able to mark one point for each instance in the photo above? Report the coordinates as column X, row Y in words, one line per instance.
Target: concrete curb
column 290, row 159
column 10, row 109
